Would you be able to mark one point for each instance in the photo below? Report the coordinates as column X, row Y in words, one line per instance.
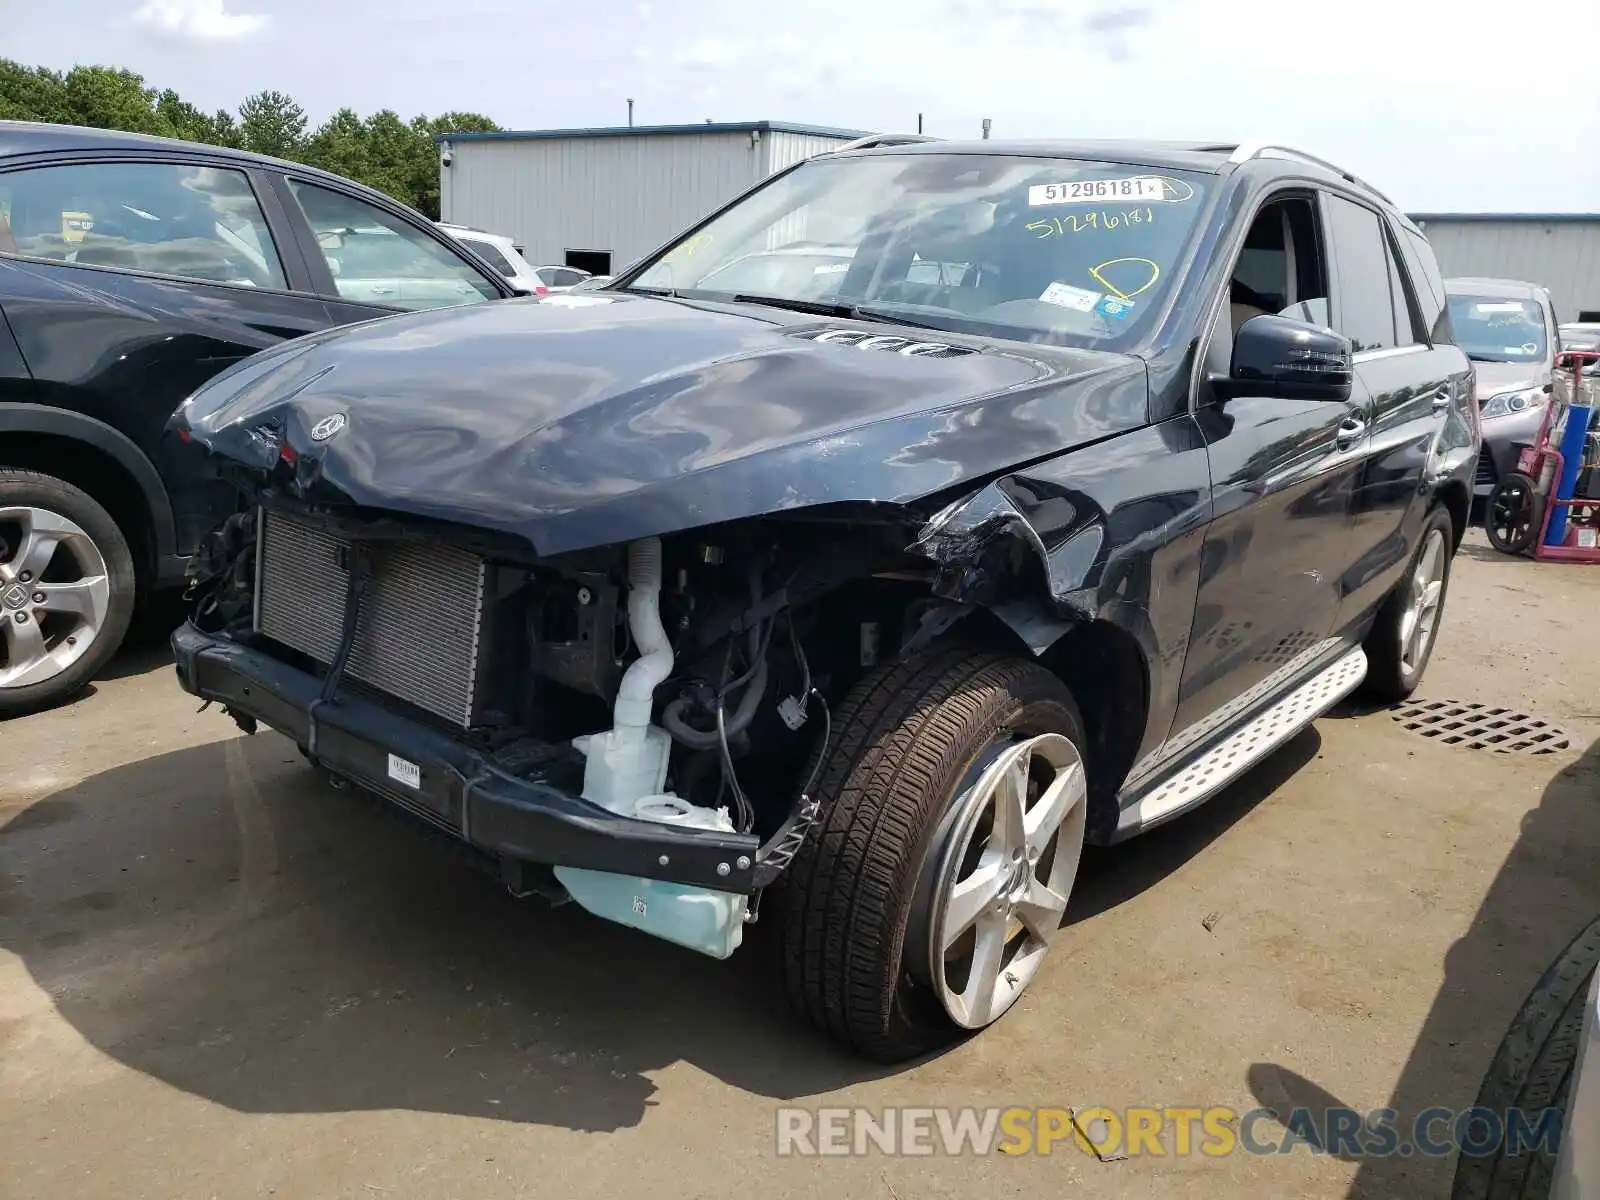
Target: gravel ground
column 220, row 978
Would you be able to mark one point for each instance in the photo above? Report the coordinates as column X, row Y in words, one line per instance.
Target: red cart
column 1519, row 512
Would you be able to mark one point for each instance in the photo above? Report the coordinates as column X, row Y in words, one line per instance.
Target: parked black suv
column 132, row 269
column 1023, row 495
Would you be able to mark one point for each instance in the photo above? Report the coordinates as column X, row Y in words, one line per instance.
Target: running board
column 1245, row 747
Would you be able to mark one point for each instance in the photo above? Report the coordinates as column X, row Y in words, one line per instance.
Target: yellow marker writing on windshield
column 1155, row 274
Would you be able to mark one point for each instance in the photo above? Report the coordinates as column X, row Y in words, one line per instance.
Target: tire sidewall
column 19, row 488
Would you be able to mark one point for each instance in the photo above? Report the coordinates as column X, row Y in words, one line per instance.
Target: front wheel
column 1406, row 627
column 928, row 894
column 1510, row 517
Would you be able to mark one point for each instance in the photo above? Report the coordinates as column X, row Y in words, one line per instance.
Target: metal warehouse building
column 599, row 198
column 1559, row 250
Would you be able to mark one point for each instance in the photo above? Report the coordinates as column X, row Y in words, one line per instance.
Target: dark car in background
column 132, row 269
column 1508, row 329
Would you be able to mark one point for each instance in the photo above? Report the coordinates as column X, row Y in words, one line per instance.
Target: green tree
column 382, row 151
column 272, row 123
column 31, row 93
column 180, row 119
column 227, row 131
column 460, row 122
column 111, row 98
column 340, row 145
column 400, row 155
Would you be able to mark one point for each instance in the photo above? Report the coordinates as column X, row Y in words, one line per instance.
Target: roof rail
column 1246, row 151
column 882, row 139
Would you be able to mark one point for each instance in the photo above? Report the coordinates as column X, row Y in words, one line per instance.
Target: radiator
column 418, row 636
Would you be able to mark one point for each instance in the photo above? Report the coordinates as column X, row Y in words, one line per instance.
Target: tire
column 1393, row 673
column 1511, row 514
column 1532, row 1070
column 89, row 543
column 856, row 907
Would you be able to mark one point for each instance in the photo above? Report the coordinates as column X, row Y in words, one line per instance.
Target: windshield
column 1036, row 249
column 1499, row 328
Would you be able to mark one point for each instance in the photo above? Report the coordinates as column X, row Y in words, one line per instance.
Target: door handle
column 1349, row 432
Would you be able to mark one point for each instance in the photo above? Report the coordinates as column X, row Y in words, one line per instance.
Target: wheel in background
column 924, row 901
column 66, row 590
column 1404, row 632
column 1510, row 514
column 1531, row 1072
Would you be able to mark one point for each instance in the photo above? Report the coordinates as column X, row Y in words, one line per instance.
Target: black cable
column 822, row 753
column 806, row 694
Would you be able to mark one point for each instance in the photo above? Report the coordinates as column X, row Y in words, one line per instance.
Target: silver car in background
column 1507, row 327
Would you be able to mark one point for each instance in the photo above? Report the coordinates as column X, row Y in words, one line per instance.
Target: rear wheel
column 66, row 590
column 1510, row 516
column 928, row 894
column 1404, row 632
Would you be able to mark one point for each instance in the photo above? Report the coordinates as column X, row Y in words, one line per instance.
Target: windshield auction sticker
column 1137, row 189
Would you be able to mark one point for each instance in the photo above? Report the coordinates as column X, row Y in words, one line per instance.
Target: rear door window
column 377, row 258
column 1363, row 290
column 176, row 219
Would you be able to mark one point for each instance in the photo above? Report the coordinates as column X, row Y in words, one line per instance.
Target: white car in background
column 503, row 254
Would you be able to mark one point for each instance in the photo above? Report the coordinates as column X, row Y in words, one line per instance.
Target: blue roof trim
column 536, row 135
column 1522, row 218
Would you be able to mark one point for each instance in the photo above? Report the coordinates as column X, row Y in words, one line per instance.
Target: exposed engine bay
column 683, row 680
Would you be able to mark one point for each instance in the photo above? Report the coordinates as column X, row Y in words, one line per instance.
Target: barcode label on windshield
column 1098, row 191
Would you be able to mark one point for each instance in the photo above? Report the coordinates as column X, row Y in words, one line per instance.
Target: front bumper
column 460, row 790
column 1502, row 437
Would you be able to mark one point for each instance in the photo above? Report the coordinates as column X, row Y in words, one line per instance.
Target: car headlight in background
column 1504, row 404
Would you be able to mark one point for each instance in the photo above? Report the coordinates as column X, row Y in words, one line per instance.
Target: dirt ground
column 220, row 978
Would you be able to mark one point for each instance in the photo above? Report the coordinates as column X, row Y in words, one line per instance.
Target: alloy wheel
column 1004, row 876
column 1421, row 618
column 55, row 594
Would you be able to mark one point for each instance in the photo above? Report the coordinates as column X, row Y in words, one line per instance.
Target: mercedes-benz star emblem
column 327, row 427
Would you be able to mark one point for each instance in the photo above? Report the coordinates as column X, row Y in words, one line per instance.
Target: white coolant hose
column 654, row 664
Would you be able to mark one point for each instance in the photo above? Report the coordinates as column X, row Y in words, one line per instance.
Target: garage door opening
column 596, row 262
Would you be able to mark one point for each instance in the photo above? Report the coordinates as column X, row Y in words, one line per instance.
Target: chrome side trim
column 1389, row 352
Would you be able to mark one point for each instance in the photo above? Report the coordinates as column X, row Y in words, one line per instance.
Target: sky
column 1446, row 107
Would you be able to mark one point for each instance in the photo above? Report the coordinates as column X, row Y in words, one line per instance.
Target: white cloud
column 198, row 20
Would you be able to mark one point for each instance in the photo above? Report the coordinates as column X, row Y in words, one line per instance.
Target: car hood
column 580, row 420
column 1497, row 377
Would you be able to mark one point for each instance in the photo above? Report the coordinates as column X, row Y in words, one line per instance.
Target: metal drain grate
column 1481, row 727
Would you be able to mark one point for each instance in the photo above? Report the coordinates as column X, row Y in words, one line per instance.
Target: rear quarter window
column 1429, row 283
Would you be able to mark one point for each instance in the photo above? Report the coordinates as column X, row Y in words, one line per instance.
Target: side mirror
column 1277, row 356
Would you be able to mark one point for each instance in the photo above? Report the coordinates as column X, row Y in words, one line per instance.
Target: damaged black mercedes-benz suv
column 927, row 512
